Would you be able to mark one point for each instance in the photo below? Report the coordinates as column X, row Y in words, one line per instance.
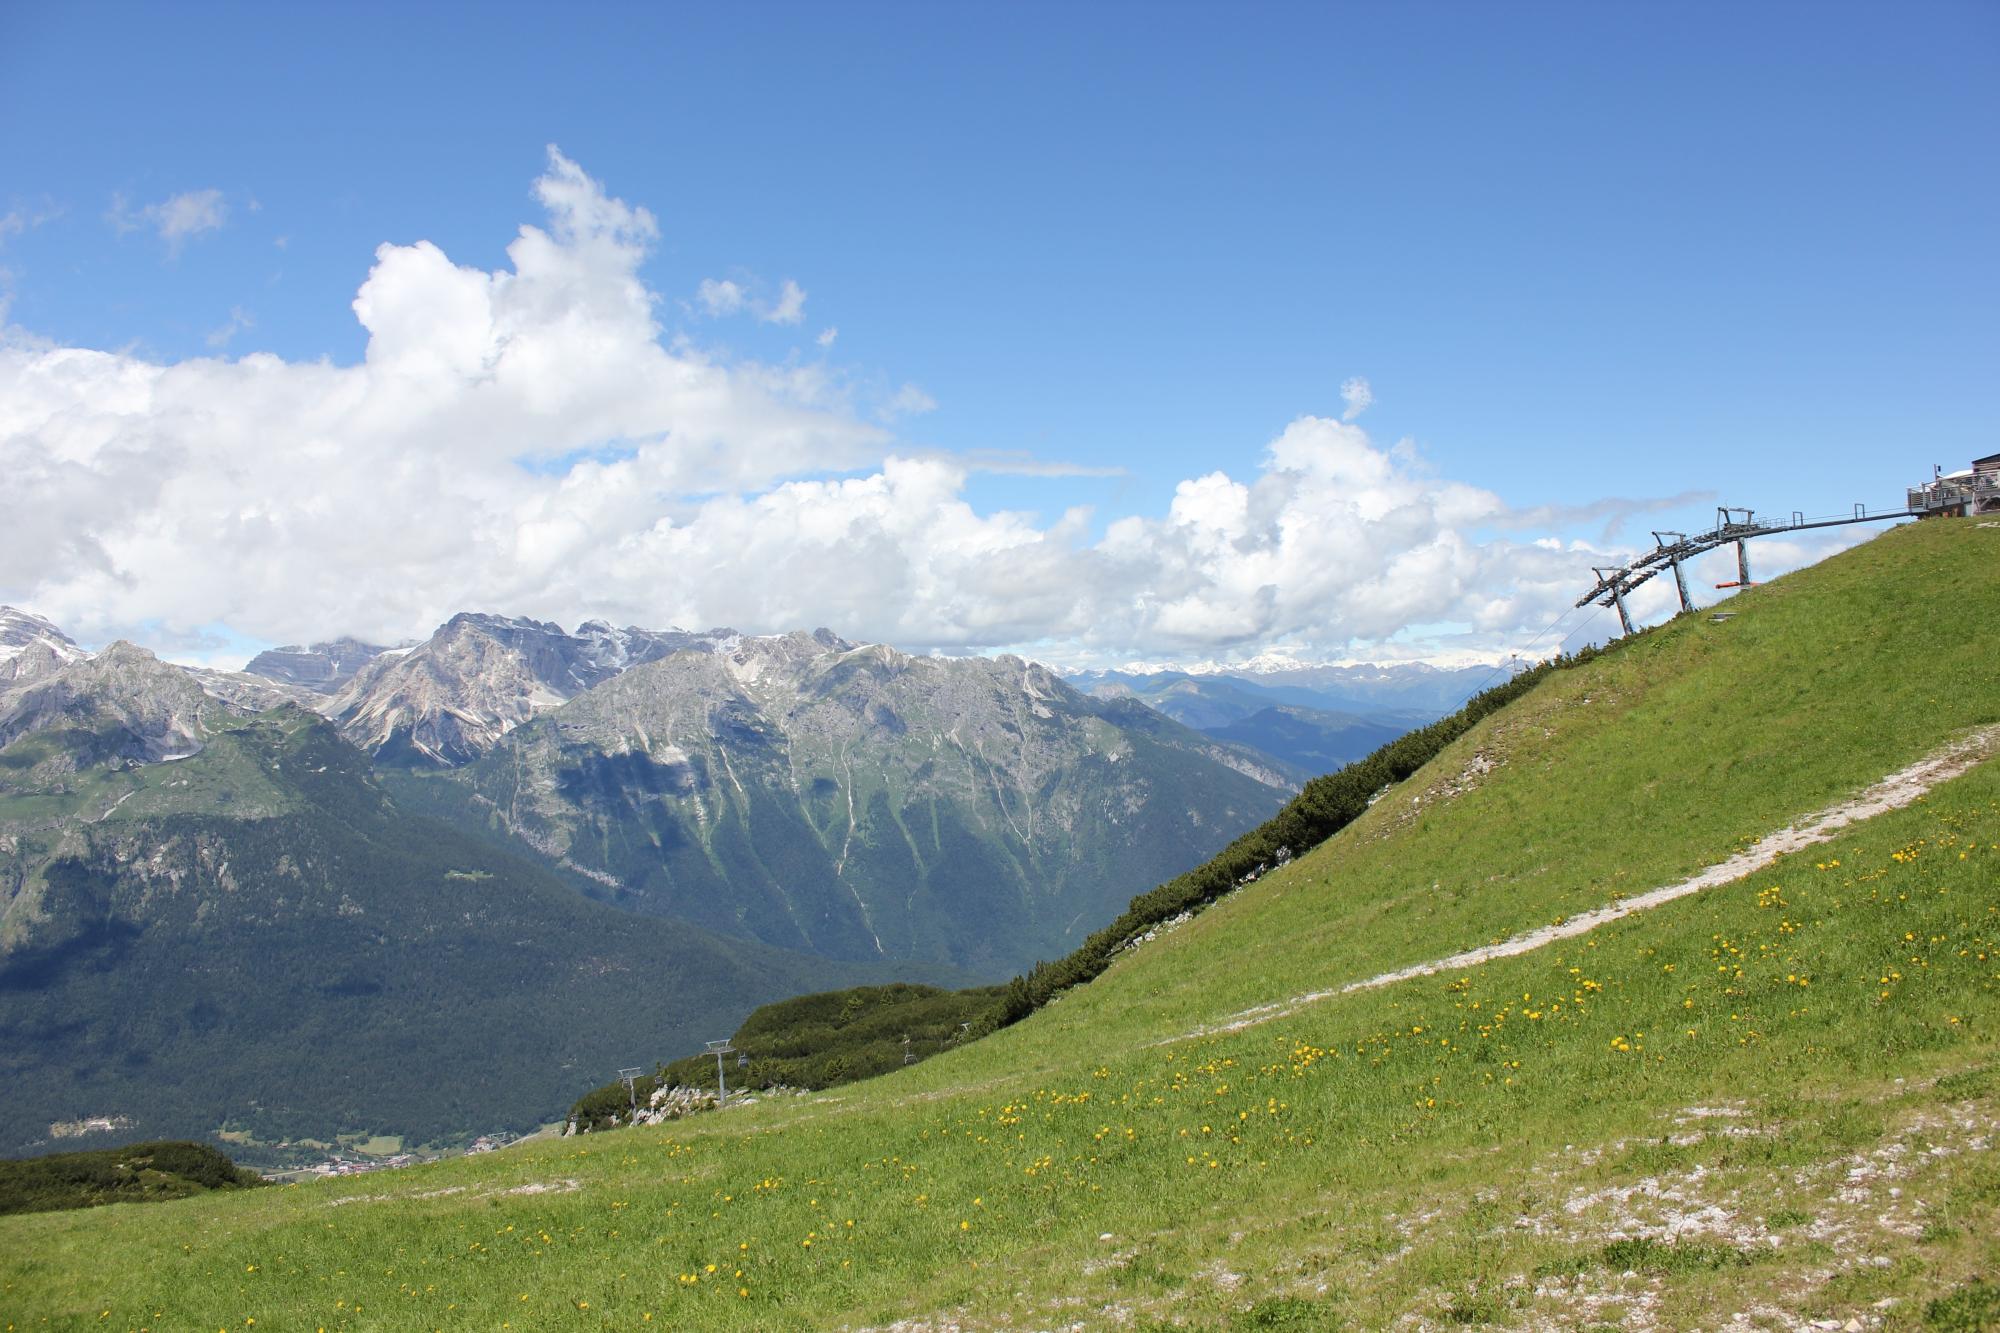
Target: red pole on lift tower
column 1742, row 567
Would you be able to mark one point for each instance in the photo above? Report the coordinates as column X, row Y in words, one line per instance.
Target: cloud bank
column 530, row 440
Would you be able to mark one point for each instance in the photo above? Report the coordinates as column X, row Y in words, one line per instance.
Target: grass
column 1644, row 1254
column 1717, row 1097
column 1974, row 1306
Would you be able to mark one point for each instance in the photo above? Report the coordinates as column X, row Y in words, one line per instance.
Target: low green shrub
column 137, row 1173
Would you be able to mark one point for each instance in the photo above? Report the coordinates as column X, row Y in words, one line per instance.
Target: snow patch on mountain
column 32, row 647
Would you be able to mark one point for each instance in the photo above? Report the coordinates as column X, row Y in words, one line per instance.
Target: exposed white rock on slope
column 320, row 667
column 256, row 694
column 134, row 705
column 867, row 802
column 480, row 676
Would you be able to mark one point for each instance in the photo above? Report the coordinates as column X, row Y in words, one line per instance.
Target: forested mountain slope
column 257, row 938
column 864, row 803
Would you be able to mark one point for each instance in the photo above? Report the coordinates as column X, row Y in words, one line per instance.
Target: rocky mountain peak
column 481, row 675
column 495, row 625
column 121, row 704
column 32, row 647
column 20, row 628
column 797, row 787
column 124, row 655
column 320, row 666
column 612, row 649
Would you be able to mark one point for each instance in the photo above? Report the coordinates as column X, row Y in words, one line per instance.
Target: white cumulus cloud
column 526, row 439
column 719, row 297
column 23, row 218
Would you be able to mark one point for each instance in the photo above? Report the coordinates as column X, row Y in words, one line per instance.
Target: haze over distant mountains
column 1314, row 718
column 450, row 698
column 257, row 938
column 1361, row 688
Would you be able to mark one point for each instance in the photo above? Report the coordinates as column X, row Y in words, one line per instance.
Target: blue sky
column 1577, row 252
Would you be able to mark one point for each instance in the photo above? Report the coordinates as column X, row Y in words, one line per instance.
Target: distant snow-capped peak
column 23, row 633
column 1280, row 662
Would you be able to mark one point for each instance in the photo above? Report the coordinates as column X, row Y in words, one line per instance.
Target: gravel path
column 1901, row 788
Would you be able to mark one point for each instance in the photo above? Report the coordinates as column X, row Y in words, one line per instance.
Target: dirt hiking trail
column 1904, row 787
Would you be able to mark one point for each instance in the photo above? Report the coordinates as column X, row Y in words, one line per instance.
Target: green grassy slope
column 1776, row 1096
column 1637, row 771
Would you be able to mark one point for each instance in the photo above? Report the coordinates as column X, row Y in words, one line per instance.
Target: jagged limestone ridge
column 448, row 700
column 135, row 706
column 860, row 800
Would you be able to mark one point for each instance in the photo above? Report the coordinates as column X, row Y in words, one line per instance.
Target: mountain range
column 1368, row 690
column 348, row 866
column 449, row 699
column 863, row 803
column 31, row 646
column 255, row 939
column 1312, row 718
